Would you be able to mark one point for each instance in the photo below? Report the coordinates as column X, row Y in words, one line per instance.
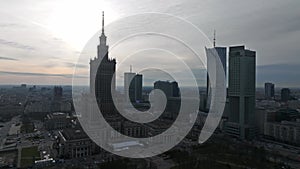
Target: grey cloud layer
column 41, row 74
column 16, row 45
column 283, row 74
column 8, row 58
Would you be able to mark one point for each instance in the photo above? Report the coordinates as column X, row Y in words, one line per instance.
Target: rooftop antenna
column 102, row 22
column 214, row 38
column 130, row 68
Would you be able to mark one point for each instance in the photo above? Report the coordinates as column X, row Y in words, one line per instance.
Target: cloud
column 16, row 45
column 72, row 65
column 8, row 25
column 7, row 58
column 284, row 75
column 41, row 74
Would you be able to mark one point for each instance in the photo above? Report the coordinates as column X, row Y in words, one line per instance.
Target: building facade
column 213, row 54
column 75, row 143
column 285, row 131
column 269, row 90
column 133, row 86
column 241, row 92
column 57, row 120
column 169, row 88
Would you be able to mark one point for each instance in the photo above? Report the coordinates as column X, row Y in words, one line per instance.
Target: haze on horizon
column 40, row 41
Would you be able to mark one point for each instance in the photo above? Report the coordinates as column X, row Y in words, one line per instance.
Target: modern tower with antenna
column 212, row 55
column 133, row 86
column 214, row 38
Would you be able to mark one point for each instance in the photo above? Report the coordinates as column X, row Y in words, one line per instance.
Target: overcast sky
column 40, row 41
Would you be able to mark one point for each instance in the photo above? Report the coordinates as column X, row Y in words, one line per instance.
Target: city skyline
column 36, row 36
column 149, row 85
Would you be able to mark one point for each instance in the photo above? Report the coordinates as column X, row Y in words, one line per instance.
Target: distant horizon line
column 65, row 85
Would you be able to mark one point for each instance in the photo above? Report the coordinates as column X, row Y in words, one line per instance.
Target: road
column 6, row 128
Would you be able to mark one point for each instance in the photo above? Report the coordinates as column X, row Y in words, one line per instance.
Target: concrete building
column 37, row 107
column 60, row 106
column 285, row 131
column 74, row 143
column 57, row 120
column 269, row 90
column 134, row 130
column 241, row 92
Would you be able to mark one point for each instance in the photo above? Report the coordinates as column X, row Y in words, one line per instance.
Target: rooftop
column 74, row 133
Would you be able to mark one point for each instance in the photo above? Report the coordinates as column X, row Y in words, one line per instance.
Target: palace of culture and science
column 102, row 79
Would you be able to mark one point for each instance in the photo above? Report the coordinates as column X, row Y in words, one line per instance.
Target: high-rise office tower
column 102, row 69
column 138, row 80
column 269, row 90
column 128, row 88
column 285, row 94
column 172, row 93
column 241, row 92
column 212, row 55
column 133, row 86
column 170, row 89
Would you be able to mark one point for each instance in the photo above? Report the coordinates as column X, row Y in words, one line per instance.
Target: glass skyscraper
column 241, row 92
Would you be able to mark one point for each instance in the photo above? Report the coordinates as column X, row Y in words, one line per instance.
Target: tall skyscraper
column 213, row 54
column 269, row 90
column 241, row 92
column 285, row 94
column 102, row 69
column 128, row 78
column 138, row 80
column 133, row 86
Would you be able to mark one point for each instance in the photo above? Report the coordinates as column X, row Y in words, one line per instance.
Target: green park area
column 27, row 128
column 222, row 154
column 29, row 155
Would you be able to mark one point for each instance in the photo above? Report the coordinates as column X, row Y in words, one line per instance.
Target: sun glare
column 77, row 21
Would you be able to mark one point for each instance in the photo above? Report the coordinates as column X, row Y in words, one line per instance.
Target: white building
column 284, row 131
